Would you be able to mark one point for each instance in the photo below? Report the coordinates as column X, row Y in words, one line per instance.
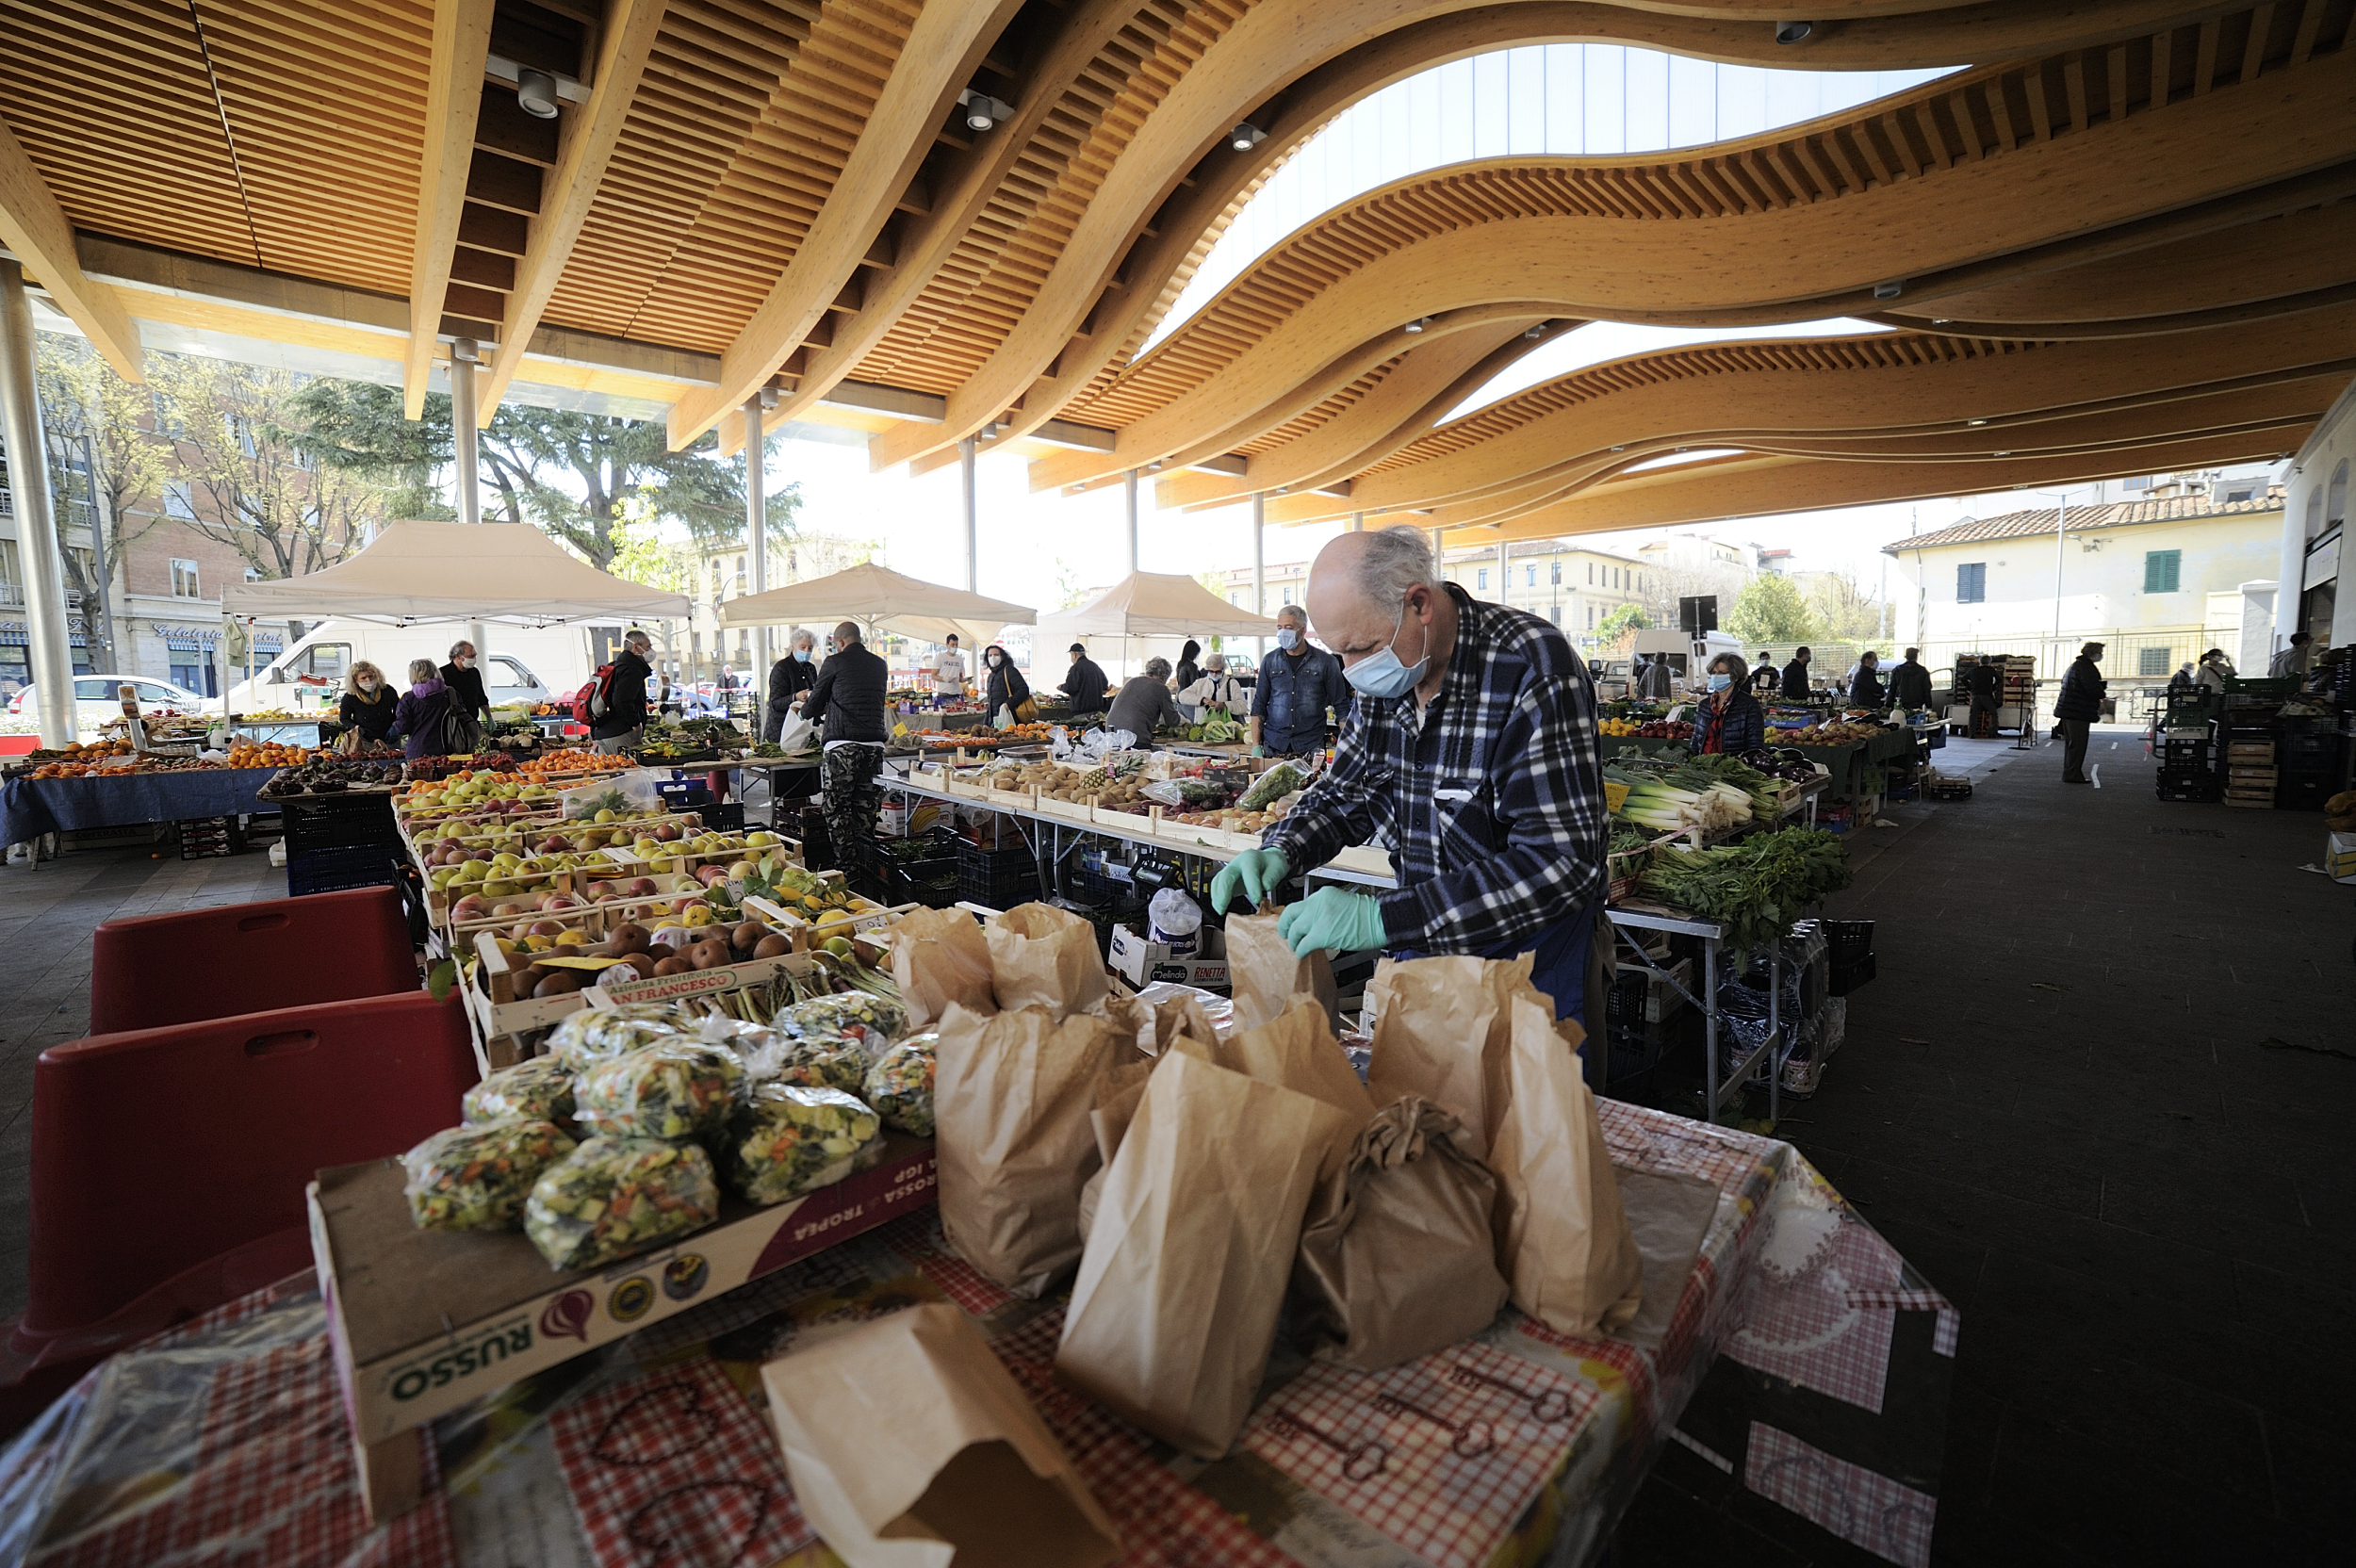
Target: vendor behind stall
column 1865, row 684
column 367, row 708
column 462, row 674
column 1910, row 683
column 1729, row 719
column 1795, row 677
column 1475, row 760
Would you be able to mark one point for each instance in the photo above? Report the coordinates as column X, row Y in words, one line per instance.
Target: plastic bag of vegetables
column 873, row 1021
column 900, row 1085
column 678, row 1089
column 813, row 1061
column 596, row 1034
column 788, row 1139
column 1278, row 782
column 614, row 1197
column 477, row 1177
column 539, row 1089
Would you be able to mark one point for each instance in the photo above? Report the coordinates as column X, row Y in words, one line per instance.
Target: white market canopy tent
column 882, row 600
column 417, row 571
column 1153, row 604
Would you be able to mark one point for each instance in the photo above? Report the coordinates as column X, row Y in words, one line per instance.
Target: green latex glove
column 1253, row 872
column 1334, row 919
column 1259, row 751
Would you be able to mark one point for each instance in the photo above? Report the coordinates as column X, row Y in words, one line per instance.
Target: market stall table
column 32, row 806
column 1832, row 1362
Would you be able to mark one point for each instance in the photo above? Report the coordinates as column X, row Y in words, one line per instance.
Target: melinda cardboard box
column 424, row 1321
column 1141, row 962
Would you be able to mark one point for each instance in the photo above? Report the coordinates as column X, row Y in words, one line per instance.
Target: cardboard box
column 2339, row 857
column 1141, row 962
column 422, row 1322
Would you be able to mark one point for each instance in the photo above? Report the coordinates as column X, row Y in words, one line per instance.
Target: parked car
column 97, row 698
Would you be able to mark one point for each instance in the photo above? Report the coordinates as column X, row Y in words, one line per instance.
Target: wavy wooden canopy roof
column 2121, row 240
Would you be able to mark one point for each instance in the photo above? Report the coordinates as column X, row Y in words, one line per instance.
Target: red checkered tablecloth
column 1521, row 1445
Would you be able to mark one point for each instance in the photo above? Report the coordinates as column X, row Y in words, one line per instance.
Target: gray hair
column 1157, row 668
column 802, row 634
column 423, row 670
column 1215, row 661
column 1395, row 560
column 462, row 643
column 1292, row 615
column 636, row 637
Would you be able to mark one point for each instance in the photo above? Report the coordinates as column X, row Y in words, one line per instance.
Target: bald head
column 1367, row 591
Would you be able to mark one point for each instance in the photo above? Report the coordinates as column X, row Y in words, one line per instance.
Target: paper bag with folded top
column 1297, row 1051
column 1264, row 973
column 909, row 1446
column 1011, row 1097
column 1401, row 1260
column 1042, row 956
column 1565, row 1245
column 939, row 957
column 1440, row 1031
column 1175, row 1310
column 1117, row 1095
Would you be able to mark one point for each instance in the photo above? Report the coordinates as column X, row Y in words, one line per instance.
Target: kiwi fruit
column 559, row 982
column 748, row 936
column 671, row 966
column 706, row 955
column 772, row 946
column 627, row 937
column 525, row 983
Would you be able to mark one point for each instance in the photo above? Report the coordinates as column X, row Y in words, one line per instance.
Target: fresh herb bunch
column 1755, row 889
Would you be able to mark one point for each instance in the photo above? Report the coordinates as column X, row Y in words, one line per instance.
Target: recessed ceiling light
column 1794, row 32
column 1889, row 290
column 1245, row 137
column 1975, row 423
column 1417, row 324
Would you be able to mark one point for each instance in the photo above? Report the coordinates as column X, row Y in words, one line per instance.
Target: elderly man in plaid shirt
column 1471, row 755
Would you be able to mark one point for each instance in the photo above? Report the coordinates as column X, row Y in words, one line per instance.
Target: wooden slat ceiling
column 1023, row 266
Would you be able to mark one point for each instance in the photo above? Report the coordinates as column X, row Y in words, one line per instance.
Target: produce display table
column 1827, row 1396
column 32, row 806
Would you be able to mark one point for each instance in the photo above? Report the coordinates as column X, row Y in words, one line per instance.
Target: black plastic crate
column 997, row 878
column 337, row 822
column 328, row 870
column 1847, row 977
column 209, row 838
column 2303, row 792
column 933, row 884
column 1847, row 941
column 722, row 816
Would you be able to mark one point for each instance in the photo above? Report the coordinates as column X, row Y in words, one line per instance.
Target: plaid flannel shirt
column 1491, row 802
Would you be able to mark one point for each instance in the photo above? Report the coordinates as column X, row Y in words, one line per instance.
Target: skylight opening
column 1601, row 342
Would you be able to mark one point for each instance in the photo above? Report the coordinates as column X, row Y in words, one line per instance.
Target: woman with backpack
column 421, row 720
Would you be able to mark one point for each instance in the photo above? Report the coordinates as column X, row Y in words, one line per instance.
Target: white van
column 519, row 664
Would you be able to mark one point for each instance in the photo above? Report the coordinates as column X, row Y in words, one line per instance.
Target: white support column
column 1129, row 483
column 51, row 645
column 1259, row 570
column 757, row 521
column 1504, row 565
column 464, row 356
column 1357, row 522
column 974, row 521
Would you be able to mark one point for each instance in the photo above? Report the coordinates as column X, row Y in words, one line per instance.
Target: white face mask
column 368, row 683
column 1384, row 674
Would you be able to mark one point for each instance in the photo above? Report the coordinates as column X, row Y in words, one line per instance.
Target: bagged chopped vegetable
column 817, row 1062
column 874, row 1022
column 538, row 1090
column 900, row 1085
column 679, row 1088
column 613, row 1197
column 790, row 1140
column 475, row 1177
column 594, row 1035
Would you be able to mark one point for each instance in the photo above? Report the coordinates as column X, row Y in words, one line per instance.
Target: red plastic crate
column 248, row 957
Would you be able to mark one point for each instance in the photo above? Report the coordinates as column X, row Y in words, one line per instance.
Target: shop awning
column 1153, row 604
column 416, row 571
column 882, row 600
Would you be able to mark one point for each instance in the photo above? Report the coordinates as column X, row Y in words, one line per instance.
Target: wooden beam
column 453, row 100
column 36, row 228
column 624, row 44
column 943, row 49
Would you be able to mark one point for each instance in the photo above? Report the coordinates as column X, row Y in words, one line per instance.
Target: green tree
column 1621, row 625
column 1770, row 609
column 584, row 477
column 96, row 422
column 1844, row 610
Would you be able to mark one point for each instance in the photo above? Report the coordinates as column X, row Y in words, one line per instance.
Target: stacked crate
column 2250, row 773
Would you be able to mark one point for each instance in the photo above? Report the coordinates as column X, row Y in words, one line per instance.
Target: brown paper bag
column 1440, row 1031
column 1297, row 1051
column 1011, row 1097
column 1117, row 1095
column 1565, row 1245
column 911, row 1445
column 939, row 957
column 1042, row 956
column 1264, row 974
column 1175, row 1310
column 1402, row 1262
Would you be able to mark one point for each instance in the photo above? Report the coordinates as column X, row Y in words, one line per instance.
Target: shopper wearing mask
column 1188, row 672
column 1764, row 679
column 2216, row 669
column 1729, row 719
column 949, row 674
column 789, row 678
column 421, row 720
column 2076, row 709
column 849, row 696
column 462, row 674
column 1472, row 753
column 1297, row 684
column 2292, row 661
column 1214, row 692
column 1865, row 687
column 623, row 722
column 1084, row 684
column 366, row 711
column 1003, row 688
column 1910, row 683
column 1795, row 677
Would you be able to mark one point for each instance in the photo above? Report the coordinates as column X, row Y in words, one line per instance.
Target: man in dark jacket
column 624, row 721
column 2077, row 708
column 1084, row 684
column 1766, row 679
column 849, row 697
column 1795, row 677
column 789, row 678
column 462, row 674
column 1865, row 689
column 1910, row 683
column 1297, row 684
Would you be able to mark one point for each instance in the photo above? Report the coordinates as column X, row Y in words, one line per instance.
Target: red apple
column 666, row 832
column 643, row 888
column 597, row 890
column 547, row 929
column 469, row 908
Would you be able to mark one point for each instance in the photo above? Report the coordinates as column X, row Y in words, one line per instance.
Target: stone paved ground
column 2099, row 1094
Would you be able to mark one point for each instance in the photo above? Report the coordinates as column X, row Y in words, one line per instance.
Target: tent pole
column 1129, row 483
column 52, row 649
column 1259, row 570
column 973, row 521
column 464, row 356
column 756, row 522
